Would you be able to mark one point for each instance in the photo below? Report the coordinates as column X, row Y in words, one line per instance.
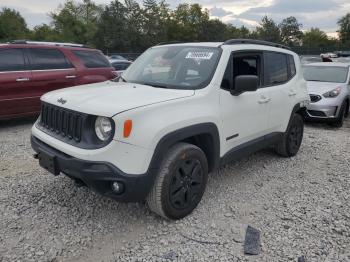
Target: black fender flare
column 164, row 144
column 296, row 108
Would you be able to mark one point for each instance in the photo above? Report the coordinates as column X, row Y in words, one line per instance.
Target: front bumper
column 322, row 112
column 99, row 176
column 325, row 109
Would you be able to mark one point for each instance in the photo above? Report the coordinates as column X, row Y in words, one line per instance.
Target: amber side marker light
column 127, row 128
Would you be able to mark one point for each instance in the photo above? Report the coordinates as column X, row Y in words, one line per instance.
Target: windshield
column 334, row 74
column 178, row 67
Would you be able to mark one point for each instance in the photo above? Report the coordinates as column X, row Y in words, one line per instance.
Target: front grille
column 63, row 122
column 315, row 98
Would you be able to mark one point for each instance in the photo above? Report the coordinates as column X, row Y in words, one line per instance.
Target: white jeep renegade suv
column 179, row 112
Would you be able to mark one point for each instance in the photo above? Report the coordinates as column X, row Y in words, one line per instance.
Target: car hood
column 319, row 88
column 110, row 98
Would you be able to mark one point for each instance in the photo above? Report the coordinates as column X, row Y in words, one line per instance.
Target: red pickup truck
column 30, row 69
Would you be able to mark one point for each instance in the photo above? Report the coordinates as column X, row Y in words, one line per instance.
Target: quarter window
column 276, row 68
column 291, row 66
column 12, row 60
column 46, row 59
column 92, row 59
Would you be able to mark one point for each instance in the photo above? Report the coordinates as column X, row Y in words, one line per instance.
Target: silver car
column 329, row 89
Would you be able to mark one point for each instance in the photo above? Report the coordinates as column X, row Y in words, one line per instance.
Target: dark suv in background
column 30, row 69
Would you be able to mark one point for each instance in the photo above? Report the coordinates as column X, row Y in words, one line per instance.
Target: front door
column 244, row 116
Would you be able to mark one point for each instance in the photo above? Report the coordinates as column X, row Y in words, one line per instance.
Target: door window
column 276, row 68
column 12, row 60
column 92, row 59
column 46, row 59
column 120, row 66
column 241, row 64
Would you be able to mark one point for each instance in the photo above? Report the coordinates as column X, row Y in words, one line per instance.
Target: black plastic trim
column 184, row 133
column 250, row 147
column 254, row 42
column 232, row 137
column 99, row 175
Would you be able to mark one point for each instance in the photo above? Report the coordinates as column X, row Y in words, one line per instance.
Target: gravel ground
column 301, row 207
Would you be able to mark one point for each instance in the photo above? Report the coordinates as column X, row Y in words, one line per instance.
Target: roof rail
column 254, row 42
column 171, row 42
column 47, row 43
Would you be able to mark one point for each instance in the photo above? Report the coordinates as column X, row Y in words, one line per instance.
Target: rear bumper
column 99, row 176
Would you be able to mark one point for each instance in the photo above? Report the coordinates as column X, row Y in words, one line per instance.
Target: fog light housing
column 117, row 187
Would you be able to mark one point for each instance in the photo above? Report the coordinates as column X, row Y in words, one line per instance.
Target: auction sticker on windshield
column 199, row 55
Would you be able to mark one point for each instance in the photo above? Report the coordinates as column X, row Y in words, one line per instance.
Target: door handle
column 70, row 77
column 22, row 79
column 264, row 100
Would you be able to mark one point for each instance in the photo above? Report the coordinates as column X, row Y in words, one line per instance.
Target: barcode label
column 199, row 55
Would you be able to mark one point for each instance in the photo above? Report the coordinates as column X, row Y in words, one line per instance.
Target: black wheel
column 180, row 183
column 290, row 144
column 342, row 114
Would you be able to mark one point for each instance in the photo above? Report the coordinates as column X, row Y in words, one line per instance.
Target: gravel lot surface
column 301, row 207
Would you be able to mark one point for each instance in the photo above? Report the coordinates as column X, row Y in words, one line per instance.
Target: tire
column 180, row 183
column 292, row 138
column 340, row 119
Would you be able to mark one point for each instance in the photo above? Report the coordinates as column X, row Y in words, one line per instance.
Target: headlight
column 103, row 128
column 333, row 93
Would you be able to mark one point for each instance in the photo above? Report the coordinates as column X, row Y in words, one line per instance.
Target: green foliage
column 12, row 25
column 291, row 34
column 268, row 30
column 315, row 38
column 344, row 31
column 127, row 26
column 76, row 22
column 44, row 32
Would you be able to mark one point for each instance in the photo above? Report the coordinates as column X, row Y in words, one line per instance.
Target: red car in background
column 30, row 69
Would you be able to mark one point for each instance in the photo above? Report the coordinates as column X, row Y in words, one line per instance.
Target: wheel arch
column 205, row 136
column 297, row 109
column 347, row 101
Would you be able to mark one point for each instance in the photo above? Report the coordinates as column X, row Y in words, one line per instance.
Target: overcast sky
column 311, row 13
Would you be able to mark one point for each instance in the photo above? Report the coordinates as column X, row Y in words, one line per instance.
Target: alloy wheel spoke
column 179, row 197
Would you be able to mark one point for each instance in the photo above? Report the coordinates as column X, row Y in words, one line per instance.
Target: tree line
column 132, row 27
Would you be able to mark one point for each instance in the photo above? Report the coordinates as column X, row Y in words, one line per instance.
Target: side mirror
column 245, row 83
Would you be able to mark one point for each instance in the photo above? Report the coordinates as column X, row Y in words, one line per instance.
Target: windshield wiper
column 122, row 78
column 156, row 85
column 159, row 86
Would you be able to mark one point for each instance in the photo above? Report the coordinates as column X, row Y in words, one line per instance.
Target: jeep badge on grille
column 62, row 101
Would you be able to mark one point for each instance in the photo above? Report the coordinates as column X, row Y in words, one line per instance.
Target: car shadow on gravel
column 327, row 126
column 18, row 122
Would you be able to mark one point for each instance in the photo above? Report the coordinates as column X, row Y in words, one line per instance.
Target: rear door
column 95, row 67
column 51, row 70
column 16, row 86
column 281, row 84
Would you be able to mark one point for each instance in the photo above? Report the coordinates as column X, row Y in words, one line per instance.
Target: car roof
column 257, row 44
column 203, row 44
column 328, row 64
column 118, row 61
column 12, row 45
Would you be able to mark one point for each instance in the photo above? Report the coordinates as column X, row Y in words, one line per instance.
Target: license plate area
column 48, row 162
